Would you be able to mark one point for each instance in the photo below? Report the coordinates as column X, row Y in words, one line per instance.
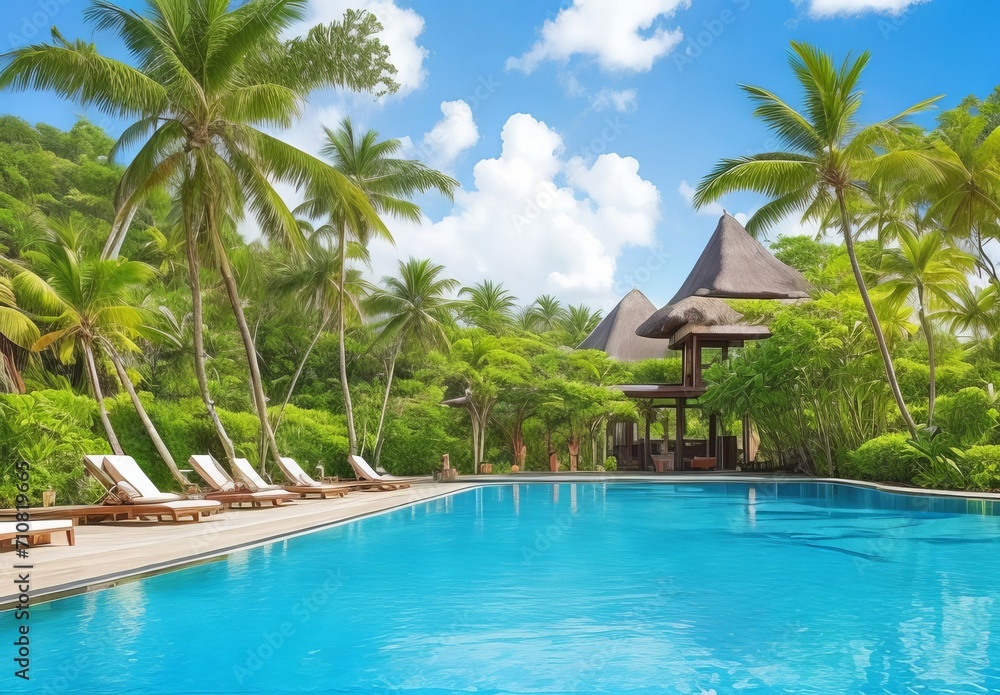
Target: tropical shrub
column 416, row 437
column 885, row 459
column 966, row 418
column 51, row 430
column 313, row 438
column 982, row 464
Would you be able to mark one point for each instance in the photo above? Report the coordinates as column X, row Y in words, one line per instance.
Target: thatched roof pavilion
column 616, row 333
column 734, row 265
column 698, row 311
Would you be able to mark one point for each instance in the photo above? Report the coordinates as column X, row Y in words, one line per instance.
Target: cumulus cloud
column 401, row 28
column 832, row 8
column 455, row 133
column 537, row 220
column 624, row 101
column 621, row 36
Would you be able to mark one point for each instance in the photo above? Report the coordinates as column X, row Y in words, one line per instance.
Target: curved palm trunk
column 925, row 325
column 298, row 371
column 194, row 281
column 161, row 448
column 95, row 385
column 352, row 437
column 257, row 386
column 385, row 403
column 890, row 371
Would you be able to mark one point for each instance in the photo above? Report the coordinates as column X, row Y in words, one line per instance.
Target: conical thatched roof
column 616, row 336
column 735, row 265
column 698, row 311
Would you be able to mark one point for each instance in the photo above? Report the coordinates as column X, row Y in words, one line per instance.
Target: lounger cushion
column 252, row 479
column 8, row 527
column 129, row 491
column 124, row 469
column 295, row 473
column 209, row 469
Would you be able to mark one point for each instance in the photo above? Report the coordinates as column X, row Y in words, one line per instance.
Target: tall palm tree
column 86, row 305
column 209, row 75
column 549, row 313
column 415, row 308
column 974, row 311
column 316, row 281
column 924, row 269
column 489, row 306
column 829, row 160
column 388, row 183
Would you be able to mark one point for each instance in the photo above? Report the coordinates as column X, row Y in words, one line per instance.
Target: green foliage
column 966, row 418
column 313, row 438
column 940, row 463
column 418, row 434
column 885, row 459
column 51, row 430
column 982, row 464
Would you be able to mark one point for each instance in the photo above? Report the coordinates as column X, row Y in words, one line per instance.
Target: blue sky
column 576, row 127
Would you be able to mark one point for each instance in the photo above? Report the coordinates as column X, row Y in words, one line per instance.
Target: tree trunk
column 574, row 451
column 352, row 437
column 298, row 371
column 257, row 386
column 161, row 448
column 385, row 402
column 198, row 325
column 95, row 385
column 890, row 371
column 925, row 324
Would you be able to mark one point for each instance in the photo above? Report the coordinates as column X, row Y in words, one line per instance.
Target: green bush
column 967, row 418
column 982, row 465
column 418, row 435
column 887, row 459
column 51, row 430
column 313, row 438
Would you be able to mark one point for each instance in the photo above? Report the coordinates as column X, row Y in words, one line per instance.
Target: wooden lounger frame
column 228, row 499
column 8, row 540
column 94, row 513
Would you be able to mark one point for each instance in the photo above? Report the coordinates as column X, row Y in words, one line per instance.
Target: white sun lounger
column 38, row 532
column 133, row 487
column 364, row 471
column 226, row 490
column 303, row 485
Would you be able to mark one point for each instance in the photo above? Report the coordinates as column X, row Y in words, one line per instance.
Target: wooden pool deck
column 108, row 553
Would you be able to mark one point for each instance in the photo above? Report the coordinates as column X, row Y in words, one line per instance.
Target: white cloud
column 624, row 101
column 621, row 36
column 536, row 220
column 401, row 28
column 451, row 136
column 832, row 8
column 687, row 192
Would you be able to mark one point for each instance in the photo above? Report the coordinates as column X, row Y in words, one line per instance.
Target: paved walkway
column 108, row 552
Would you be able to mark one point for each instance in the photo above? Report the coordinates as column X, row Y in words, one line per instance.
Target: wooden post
column 647, row 450
column 713, row 434
column 680, row 430
column 746, row 441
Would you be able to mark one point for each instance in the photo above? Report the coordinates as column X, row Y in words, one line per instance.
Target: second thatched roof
column 697, row 311
column 616, row 333
column 734, row 265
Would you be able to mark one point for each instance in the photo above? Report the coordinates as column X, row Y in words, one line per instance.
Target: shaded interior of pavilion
column 699, row 326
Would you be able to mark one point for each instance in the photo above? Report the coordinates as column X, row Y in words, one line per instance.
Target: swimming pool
column 539, row 588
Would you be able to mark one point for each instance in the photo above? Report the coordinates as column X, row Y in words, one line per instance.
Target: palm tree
column 830, row 159
column 579, row 322
column 209, row 76
column 974, row 311
column 924, row 269
column 415, row 309
column 87, row 308
column 387, row 183
column 316, row 281
column 549, row 313
column 967, row 200
column 489, row 306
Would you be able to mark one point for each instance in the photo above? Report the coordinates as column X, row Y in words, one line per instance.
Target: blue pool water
column 590, row 588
